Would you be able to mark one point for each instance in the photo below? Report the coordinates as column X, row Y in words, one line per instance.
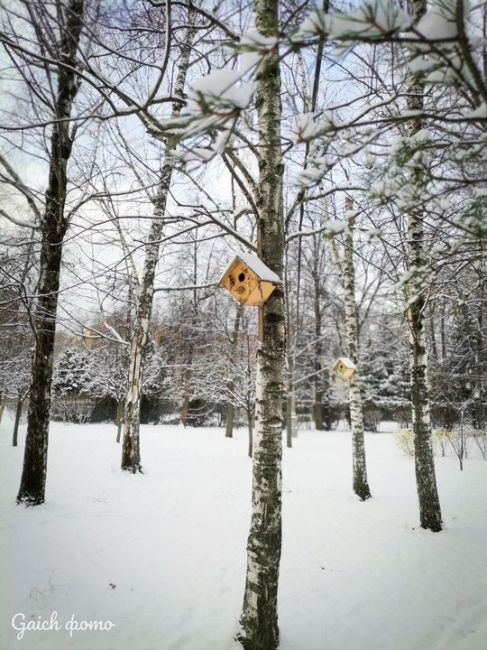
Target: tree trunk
column 360, row 484
column 18, row 415
column 250, row 423
column 429, row 504
column 317, row 353
column 131, row 460
column 229, row 421
column 291, row 429
column 53, row 228
column 259, row 615
column 119, row 418
column 290, row 398
column 3, row 401
column 230, row 407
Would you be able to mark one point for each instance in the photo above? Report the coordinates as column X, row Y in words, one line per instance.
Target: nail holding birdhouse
column 249, row 280
column 344, row 368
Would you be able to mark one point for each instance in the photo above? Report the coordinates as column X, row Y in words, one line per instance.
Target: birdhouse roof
column 256, row 265
column 348, row 363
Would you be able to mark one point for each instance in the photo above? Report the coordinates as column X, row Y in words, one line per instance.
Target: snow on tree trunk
column 53, row 229
column 131, row 460
column 360, row 484
column 259, row 615
column 429, row 504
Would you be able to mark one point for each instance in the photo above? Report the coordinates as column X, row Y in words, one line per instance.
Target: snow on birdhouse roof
column 346, row 362
column 256, row 265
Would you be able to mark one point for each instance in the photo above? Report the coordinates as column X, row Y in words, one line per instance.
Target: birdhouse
column 344, row 368
column 249, row 280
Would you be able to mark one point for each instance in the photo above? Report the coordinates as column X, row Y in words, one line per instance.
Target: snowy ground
column 162, row 556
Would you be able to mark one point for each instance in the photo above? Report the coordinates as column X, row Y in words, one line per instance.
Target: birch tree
column 429, row 504
column 131, row 459
column 259, row 615
column 347, row 272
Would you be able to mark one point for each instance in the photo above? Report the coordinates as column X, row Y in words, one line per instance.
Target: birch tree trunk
column 53, row 228
column 360, row 484
column 429, row 504
column 131, row 460
column 259, row 615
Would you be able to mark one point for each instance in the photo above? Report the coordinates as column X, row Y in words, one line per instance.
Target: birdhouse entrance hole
column 249, row 280
column 344, row 368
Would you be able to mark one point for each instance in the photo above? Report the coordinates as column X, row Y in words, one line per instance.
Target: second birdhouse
column 249, row 280
column 344, row 368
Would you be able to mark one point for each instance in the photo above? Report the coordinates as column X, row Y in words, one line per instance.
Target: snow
column 222, row 87
column 162, row 555
column 439, row 22
column 479, row 113
column 253, row 39
column 372, row 18
column 309, row 125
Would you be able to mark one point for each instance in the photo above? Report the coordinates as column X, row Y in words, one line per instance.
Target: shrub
column 405, row 441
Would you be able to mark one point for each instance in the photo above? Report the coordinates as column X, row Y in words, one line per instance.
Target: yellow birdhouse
column 249, row 280
column 344, row 368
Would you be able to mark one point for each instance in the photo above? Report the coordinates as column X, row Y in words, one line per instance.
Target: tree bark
column 53, row 229
column 250, row 424
column 259, row 615
column 229, row 418
column 2, row 406
column 18, row 415
column 429, row 504
column 360, row 483
column 318, row 351
column 131, row 460
column 291, row 428
column 119, row 418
